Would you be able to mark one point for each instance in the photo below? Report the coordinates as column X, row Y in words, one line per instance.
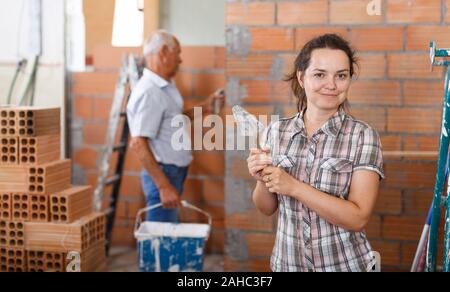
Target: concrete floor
column 125, row 260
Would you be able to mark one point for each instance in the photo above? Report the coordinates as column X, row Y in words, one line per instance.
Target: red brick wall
column 91, row 94
column 395, row 92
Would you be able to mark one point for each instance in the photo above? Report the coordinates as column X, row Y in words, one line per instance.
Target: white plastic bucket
column 168, row 247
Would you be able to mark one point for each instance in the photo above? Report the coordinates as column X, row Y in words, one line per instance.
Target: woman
column 326, row 185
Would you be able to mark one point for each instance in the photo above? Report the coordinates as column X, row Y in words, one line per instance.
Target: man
column 153, row 104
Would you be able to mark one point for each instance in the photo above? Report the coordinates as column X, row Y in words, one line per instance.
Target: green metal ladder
column 439, row 201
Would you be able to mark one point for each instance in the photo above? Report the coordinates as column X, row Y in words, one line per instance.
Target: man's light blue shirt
column 153, row 104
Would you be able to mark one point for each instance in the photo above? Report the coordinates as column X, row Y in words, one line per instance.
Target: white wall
column 13, row 27
column 50, row 89
column 195, row 22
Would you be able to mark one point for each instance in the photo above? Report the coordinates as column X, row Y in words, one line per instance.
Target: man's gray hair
column 157, row 40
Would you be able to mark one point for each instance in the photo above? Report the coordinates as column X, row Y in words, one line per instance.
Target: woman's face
column 327, row 79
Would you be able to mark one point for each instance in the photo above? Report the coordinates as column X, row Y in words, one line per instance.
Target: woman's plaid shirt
column 305, row 241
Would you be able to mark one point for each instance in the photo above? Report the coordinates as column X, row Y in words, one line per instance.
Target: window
column 128, row 29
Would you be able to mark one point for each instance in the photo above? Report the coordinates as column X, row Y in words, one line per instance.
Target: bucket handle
column 185, row 204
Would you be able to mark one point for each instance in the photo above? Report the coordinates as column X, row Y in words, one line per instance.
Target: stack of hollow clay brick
column 46, row 224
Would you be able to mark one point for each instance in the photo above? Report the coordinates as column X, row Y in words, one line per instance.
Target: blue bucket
column 168, row 247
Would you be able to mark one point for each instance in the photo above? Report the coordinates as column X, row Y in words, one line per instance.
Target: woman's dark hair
column 303, row 60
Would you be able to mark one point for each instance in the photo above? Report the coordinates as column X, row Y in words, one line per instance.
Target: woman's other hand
column 257, row 161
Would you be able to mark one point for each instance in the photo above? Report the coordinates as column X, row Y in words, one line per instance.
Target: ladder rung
column 121, row 146
column 112, row 180
column 444, row 201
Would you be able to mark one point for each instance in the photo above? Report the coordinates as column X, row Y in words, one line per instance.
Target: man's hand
column 216, row 101
column 167, row 193
column 212, row 105
column 169, row 197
